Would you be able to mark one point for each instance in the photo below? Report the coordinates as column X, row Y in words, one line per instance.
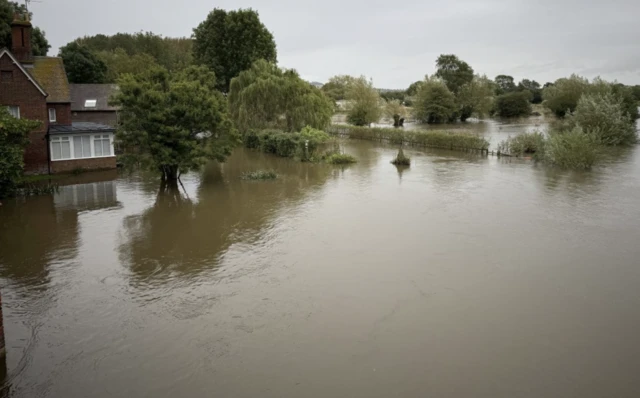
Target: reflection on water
column 367, row 280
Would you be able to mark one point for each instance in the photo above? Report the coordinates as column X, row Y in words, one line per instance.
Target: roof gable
column 6, row 52
column 50, row 73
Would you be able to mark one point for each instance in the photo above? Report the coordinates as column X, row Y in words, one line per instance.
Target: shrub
column 573, row 149
column 340, row 158
column 604, row 116
column 260, row 175
column 309, row 133
column 435, row 103
column 401, row 159
column 364, row 102
column 528, row 143
column 304, row 145
column 563, row 96
column 13, row 140
column 513, row 104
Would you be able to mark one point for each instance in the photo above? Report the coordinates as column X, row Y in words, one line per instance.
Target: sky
column 393, row 43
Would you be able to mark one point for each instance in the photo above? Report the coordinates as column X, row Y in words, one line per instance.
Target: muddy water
column 461, row 276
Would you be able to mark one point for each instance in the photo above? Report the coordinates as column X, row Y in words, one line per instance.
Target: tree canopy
column 505, row 84
column 475, row 98
column 435, row 103
column 175, row 121
column 82, row 65
column 364, row 102
column 266, row 96
column 336, row 87
column 39, row 43
column 229, row 42
column 14, row 135
column 513, row 104
column 453, row 71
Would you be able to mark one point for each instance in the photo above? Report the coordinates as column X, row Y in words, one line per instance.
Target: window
column 52, row 114
column 6, row 76
column 60, row 148
column 14, row 111
column 82, row 146
column 101, row 145
column 90, row 103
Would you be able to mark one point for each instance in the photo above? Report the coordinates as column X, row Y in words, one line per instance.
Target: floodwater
column 461, row 276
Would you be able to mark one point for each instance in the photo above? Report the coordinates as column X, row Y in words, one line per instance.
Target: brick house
column 36, row 88
column 90, row 103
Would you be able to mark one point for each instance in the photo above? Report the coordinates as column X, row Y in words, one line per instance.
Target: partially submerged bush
column 564, row 94
column 528, row 143
column 401, row 159
column 340, row 158
column 304, row 145
column 604, row 116
column 573, row 149
column 513, row 104
column 260, row 175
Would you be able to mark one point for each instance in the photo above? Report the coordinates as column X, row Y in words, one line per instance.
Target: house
column 36, row 88
column 90, row 103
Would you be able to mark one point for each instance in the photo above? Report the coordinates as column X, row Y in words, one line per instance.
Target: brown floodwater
column 461, row 276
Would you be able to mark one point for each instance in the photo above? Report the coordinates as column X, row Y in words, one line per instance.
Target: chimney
column 21, row 38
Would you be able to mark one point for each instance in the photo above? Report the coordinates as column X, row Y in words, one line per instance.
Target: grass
column 401, row 159
column 422, row 138
column 260, row 175
column 39, row 177
column 340, row 158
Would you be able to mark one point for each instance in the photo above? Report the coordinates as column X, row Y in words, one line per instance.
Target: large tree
column 230, row 42
column 435, row 103
column 39, row 43
column 505, row 84
column 337, row 86
column 175, row 122
column 364, row 102
column 533, row 87
column 14, row 135
column 475, row 98
column 564, row 94
column 82, row 65
column 453, row 71
column 265, row 96
column 118, row 62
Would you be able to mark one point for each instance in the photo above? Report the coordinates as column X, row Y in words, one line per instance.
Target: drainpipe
column 46, row 137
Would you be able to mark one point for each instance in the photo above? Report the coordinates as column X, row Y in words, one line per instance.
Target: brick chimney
column 21, row 38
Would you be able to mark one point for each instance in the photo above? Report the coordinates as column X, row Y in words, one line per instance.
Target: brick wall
column 65, row 166
column 63, row 113
column 19, row 91
column 110, row 118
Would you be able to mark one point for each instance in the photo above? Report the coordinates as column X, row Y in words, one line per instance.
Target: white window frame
column 52, row 111
column 102, row 138
column 92, row 142
column 76, row 152
column 60, row 140
column 14, row 111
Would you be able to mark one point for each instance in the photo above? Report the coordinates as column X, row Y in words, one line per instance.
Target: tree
column 265, row 96
column 636, row 93
column 82, row 65
column 564, row 94
column 14, row 137
column 39, row 43
column 513, row 104
column 364, row 102
column 174, row 122
column 414, row 88
column 118, row 62
column 230, row 42
column 604, row 116
column 533, row 87
column 336, row 87
column 475, row 98
column 395, row 111
column 435, row 103
column 453, row 71
column 505, row 84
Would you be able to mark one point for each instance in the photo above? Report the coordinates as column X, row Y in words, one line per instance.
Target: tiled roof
column 81, row 127
column 49, row 73
column 80, row 93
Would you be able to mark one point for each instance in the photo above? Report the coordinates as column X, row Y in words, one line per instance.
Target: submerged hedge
column 424, row 138
column 305, row 145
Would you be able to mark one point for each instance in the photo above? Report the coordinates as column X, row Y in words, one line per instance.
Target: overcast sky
column 395, row 43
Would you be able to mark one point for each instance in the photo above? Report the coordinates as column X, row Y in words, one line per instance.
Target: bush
column 435, row 103
column 573, row 149
column 260, row 175
column 604, row 116
column 513, row 104
column 364, row 102
column 304, row 145
column 563, row 96
column 340, row 158
column 423, row 138
column 528, row 143
column 13, row 140
column 401, row 159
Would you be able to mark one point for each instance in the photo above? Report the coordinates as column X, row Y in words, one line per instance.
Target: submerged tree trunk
column 169, row 172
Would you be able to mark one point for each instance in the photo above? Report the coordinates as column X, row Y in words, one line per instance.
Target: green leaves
column 82, row 65
column 13, row 140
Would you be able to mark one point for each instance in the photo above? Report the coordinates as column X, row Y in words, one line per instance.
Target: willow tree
column 365, row 103
column 435, row 103
column 266, row 96
column 476, row 98
column 174, row 122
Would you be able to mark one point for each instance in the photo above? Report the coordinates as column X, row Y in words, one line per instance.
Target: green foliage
column 523, row 144
column 435, row 103
column 118, row 62
column 39, row 43
column 340, row 158
column 504, row 84
column 572, row 149
column 475, row 98
column 421, row 138
column 82, row 65
column 260, row 175
column 401, row 159
column 309, row 133
column 394, row 108
column 305, row 146
column 513, row 104
column 337, row 86
column 453, row 71
column 266, row 96
column 178, row 121
column 414, row 88
column 564, row 94
column 230, row 42
column 533, row 87
column 364, row 102
column 13, row 140
column 390, row 95
column 635, row 91
column 604, row 116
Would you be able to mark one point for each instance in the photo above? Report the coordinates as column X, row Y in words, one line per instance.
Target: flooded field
column 461, row 276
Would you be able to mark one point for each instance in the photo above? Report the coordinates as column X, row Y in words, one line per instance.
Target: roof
column 50, row 73
column 80, row 93
column 6, row 52
column 81, row 127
